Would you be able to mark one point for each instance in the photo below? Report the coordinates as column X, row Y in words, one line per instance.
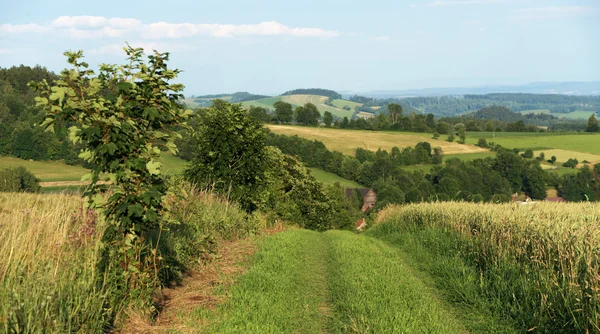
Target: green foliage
column 571, row 163
column 293, row 194
column 450, row 138
column 283, row 112
column 315, row 91
column 482, row 143
column 583, row 186
column 123, row 116
column 18, row 179
column 436, row 135
column 307, row 115
column 592, row 125
column 229, row 154
column 528, row 154
column 327, row 118
column 259, row 114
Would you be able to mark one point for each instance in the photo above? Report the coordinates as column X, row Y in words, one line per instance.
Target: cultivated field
column 576, row 142
column 578, row 114
column 346, row 141
column 537, row 263
column 564, row 155
column 302, row 99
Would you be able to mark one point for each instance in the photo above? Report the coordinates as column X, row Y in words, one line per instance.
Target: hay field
column 346, row 141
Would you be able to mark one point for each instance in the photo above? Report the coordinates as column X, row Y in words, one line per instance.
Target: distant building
column 361, row 224
column 368, row 196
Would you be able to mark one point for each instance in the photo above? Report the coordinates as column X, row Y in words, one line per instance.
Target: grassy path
column 335, row 282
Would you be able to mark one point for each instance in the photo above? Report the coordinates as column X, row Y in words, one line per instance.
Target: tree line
column 20, row 135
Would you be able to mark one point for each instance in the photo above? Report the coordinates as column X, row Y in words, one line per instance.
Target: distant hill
column 206, row 100
column 338, row 107
column 315, row 91
column 565, row 88
column 568, row 106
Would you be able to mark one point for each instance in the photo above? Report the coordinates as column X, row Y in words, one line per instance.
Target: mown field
column 346, row 141
column 58, row 176
column 329, row 178
column 578, row 114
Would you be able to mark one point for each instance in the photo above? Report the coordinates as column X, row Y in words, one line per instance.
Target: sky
column 269, row 47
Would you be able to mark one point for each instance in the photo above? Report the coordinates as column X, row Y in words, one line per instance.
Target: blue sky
column 272, row 46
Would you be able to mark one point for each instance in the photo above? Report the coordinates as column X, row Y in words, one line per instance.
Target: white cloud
column 381, row 38
column 117, row 49
column 8, row 28
column 89, row 27
column 554, row 12
column 447, row 3
column 5, row 52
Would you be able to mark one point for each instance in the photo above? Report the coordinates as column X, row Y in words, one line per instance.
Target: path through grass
column 337, row 282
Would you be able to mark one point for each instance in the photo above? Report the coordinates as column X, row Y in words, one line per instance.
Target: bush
column 572, row 163
column 450, row 138
column 436, row 135
column 18, row 179
column 528, row 153
column 482, row 143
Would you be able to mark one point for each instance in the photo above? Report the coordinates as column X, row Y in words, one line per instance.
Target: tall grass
column 49, row 250
column 538, row 264
column 48, row 281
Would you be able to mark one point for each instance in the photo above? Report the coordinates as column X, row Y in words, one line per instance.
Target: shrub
column 450, row 138
column 482, row 143
column 572, row 163
column 528, row 154
column 436, row 135
column 18, row 179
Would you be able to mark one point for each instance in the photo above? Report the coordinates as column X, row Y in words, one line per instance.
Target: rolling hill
column 301, row 99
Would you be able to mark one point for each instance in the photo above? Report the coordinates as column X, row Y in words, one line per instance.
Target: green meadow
column 330, row 178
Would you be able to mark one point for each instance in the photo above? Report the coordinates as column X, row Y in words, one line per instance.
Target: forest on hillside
column 456, row 105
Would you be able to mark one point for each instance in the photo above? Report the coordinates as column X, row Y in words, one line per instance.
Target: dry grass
column 346, row 141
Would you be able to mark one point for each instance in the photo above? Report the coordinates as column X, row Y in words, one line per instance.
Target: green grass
column 46, row 170
column 341, row 103
column 329, row 178
column 308, row 282
column 374, row 290
column 535, row 111
column 578, row 114
column 283, row 292
column 470, row 156
column 266, row 103
column 53, row 171
column 577, row 142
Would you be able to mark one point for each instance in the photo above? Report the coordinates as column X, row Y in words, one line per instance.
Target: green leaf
column 153, row 167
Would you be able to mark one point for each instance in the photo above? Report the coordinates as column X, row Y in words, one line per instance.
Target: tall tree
column 395, row 112
column 283, row 112
column 327, row 118
column 593, row 124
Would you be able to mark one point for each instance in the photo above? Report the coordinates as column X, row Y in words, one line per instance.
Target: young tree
column 436, row 135
column 438, row 155
column 345, row 123
column 450, row 138
column 327, row 118
column 553, row 159
column 230, row 150
column 124, row 116
column 283, row 112
column 593, row 124
column 528, row 154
